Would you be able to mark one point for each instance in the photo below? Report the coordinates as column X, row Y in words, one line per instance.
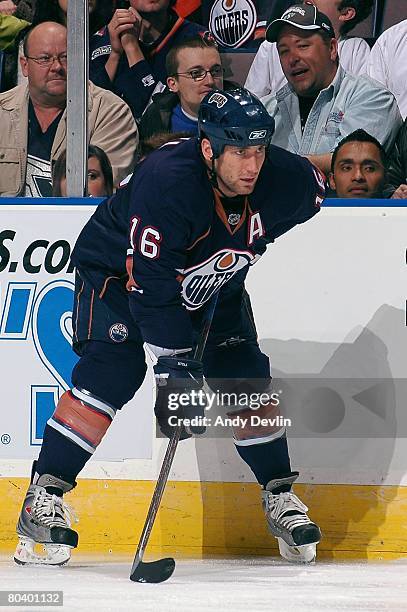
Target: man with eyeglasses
column 128, row 55
column 194, row 69
column 33, row 119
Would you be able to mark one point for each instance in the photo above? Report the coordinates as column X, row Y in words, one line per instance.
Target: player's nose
column 253, row 165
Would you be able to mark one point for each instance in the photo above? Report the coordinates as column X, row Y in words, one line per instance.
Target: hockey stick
column 158, row 571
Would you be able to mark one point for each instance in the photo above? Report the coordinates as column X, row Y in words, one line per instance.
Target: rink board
column 330, row 303
column 211, row 519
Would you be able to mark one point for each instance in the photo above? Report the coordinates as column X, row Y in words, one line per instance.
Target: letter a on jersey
column 256, row 229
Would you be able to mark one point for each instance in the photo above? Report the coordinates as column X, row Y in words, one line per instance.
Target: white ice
column 220, row 585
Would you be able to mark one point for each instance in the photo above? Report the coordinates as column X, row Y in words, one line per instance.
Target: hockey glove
column 178, row 381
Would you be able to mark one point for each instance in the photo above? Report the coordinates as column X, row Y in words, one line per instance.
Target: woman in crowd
column 100, row 175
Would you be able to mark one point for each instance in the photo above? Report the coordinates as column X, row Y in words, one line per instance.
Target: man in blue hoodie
column 128, row 55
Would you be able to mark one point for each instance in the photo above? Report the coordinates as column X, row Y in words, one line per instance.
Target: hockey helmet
column 234, row 117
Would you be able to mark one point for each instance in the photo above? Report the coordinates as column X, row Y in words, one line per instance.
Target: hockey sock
column 268, row 460
column 60, row 456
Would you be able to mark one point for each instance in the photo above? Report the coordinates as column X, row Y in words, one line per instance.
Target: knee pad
column 259, row 422
column 82, row 418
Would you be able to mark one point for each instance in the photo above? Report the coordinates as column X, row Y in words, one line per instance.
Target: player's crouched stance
column 197, row 215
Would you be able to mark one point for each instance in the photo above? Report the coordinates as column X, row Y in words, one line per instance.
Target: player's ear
column 206, row 149
column 331, row 180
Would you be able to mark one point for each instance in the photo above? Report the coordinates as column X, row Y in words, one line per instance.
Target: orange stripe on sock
column 82, row 419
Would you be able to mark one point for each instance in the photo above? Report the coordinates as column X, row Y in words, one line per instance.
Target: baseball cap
column 303, row 16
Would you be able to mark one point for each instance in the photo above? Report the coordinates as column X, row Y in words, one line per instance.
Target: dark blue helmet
column 234, row 117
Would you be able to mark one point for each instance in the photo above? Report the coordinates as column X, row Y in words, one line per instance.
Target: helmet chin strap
column 213, row 177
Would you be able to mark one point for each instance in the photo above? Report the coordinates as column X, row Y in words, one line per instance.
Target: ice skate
column 44, row 522
column 287, row 519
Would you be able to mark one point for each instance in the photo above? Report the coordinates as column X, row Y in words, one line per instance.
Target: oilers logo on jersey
column 201, row 281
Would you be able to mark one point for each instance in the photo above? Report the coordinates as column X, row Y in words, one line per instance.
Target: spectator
column 397, row 177
column 322, row 103
column 20, row 9
column 388, row 62
column 33, row 118
column 359, row 167
column 50, row 10
column 100, row 11
column 7, row 7
column 100, row 174
column 266, row 75
column 10, row 29
column 194, row 68
column 128, row 55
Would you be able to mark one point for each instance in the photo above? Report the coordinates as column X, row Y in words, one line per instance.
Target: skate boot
column 297, row 536
column 45, row 519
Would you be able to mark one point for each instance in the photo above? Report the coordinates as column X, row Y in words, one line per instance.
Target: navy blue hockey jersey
column 180, row 248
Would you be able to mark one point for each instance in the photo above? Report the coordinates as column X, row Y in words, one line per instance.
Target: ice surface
column 220, row 585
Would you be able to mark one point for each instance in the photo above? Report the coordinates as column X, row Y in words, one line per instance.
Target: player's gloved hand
column 175, row 376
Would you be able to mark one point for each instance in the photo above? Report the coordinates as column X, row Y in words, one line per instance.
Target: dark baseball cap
column 303, row 16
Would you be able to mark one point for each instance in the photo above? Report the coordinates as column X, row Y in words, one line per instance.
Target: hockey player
column 193, row 218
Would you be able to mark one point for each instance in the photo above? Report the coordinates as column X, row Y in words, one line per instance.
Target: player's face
column 238, row 169
column 47, row 84
column 190, row 91
column 308, row 63
column 358, row 171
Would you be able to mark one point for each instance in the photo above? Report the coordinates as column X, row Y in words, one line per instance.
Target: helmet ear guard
column 236, row 118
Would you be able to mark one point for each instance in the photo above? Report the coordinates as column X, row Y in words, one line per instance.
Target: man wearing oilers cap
column 265, row 74
column 322, row 103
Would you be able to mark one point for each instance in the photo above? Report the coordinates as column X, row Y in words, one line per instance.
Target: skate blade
column 297, row 554
column 51, row 554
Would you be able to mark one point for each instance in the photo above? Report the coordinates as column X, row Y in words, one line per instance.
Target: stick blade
column 153, row 572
